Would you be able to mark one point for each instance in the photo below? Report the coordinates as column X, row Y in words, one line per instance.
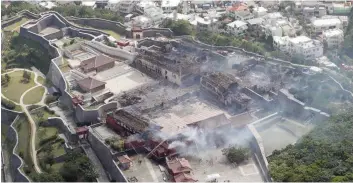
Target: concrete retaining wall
column 105, row 157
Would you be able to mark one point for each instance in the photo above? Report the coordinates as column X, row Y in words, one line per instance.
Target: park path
column 32, row 122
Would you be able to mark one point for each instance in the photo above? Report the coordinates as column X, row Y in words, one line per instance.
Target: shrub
column 8, row 104
column 50, row 99
column 236, row 154
column 44, row 141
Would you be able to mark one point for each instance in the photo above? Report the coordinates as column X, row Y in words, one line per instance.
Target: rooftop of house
column 132, row 120
column 96, row 62
column 237, row 24
column 222, row 80
column 90, row 83
column 333, row 32
column 255, row 21
column 180, row 57
column 179, row 165
column 238, row 7
column 326, row 21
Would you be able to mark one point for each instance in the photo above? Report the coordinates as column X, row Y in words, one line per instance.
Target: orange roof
column 124, row 159
column 179, row 165
column 238, row 7
column 184, row 177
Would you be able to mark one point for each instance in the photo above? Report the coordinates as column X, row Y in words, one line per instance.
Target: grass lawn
column 58, row 149
column 56, row 167
column 112, row 33
column 23, row 129
column 41, row 80
column 44, row 133
column 16, row 25
column 46, row 115
column 15, row 87
column 34, row 96
column 17, row 108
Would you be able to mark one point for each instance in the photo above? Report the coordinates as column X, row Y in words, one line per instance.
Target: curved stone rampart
column 8, row 118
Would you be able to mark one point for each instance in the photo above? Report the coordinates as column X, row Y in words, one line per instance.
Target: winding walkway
column 32, row 122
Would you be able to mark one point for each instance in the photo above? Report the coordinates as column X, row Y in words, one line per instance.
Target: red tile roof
column 184, row 177
column 124, row 159
column 179, row 165
column 238, row 7
column 96, row 62
column 89, row 83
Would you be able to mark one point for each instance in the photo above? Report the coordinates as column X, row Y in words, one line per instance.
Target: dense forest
column 325, row 154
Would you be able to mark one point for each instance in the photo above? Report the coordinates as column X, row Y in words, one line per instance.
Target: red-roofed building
column 176, row 166
column 238, row 7
column 124, row 162
column 184, row 177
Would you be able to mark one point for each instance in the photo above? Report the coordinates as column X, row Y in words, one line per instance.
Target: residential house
column 259, row 11
column 340, row 8
column 280, row 27
column 180, row 169
column 168, row 6
column 243, row 15
column 301, row 45
column 321, row 24
column 126, row 7
column 333, row 38
column 311, row 8
column 237, row 27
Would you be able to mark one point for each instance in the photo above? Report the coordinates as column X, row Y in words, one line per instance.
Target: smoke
column 195, row 142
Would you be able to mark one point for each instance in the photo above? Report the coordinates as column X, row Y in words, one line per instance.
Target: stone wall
column 8, row 118
column 11, row 21
column 86, row 116
column 105, row 157
column 58, row 123
column 293, row 107
column 100, row 24
column 155, row 32
column 116, row 52
column 258, row 150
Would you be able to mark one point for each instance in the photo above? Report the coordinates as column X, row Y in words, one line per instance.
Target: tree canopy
column 325, row 154
column 179, row 27
column 348, row 39
column 87, row 12
column 236, row 154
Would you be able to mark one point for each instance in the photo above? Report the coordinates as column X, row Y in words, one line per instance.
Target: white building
column 168, row 6
column 311, row 8
column 280, row 27
column 205, row 24
column 301, row 45
column 333, row 38
column 126, row 6
column 150, row 10
column 142, row 21
column 259, row 11
column 237, row 27
column 322, row 24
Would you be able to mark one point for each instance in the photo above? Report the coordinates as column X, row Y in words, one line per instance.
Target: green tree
column 236, row 154
column 47, row 177
column 179, row 27
column 78, row 167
